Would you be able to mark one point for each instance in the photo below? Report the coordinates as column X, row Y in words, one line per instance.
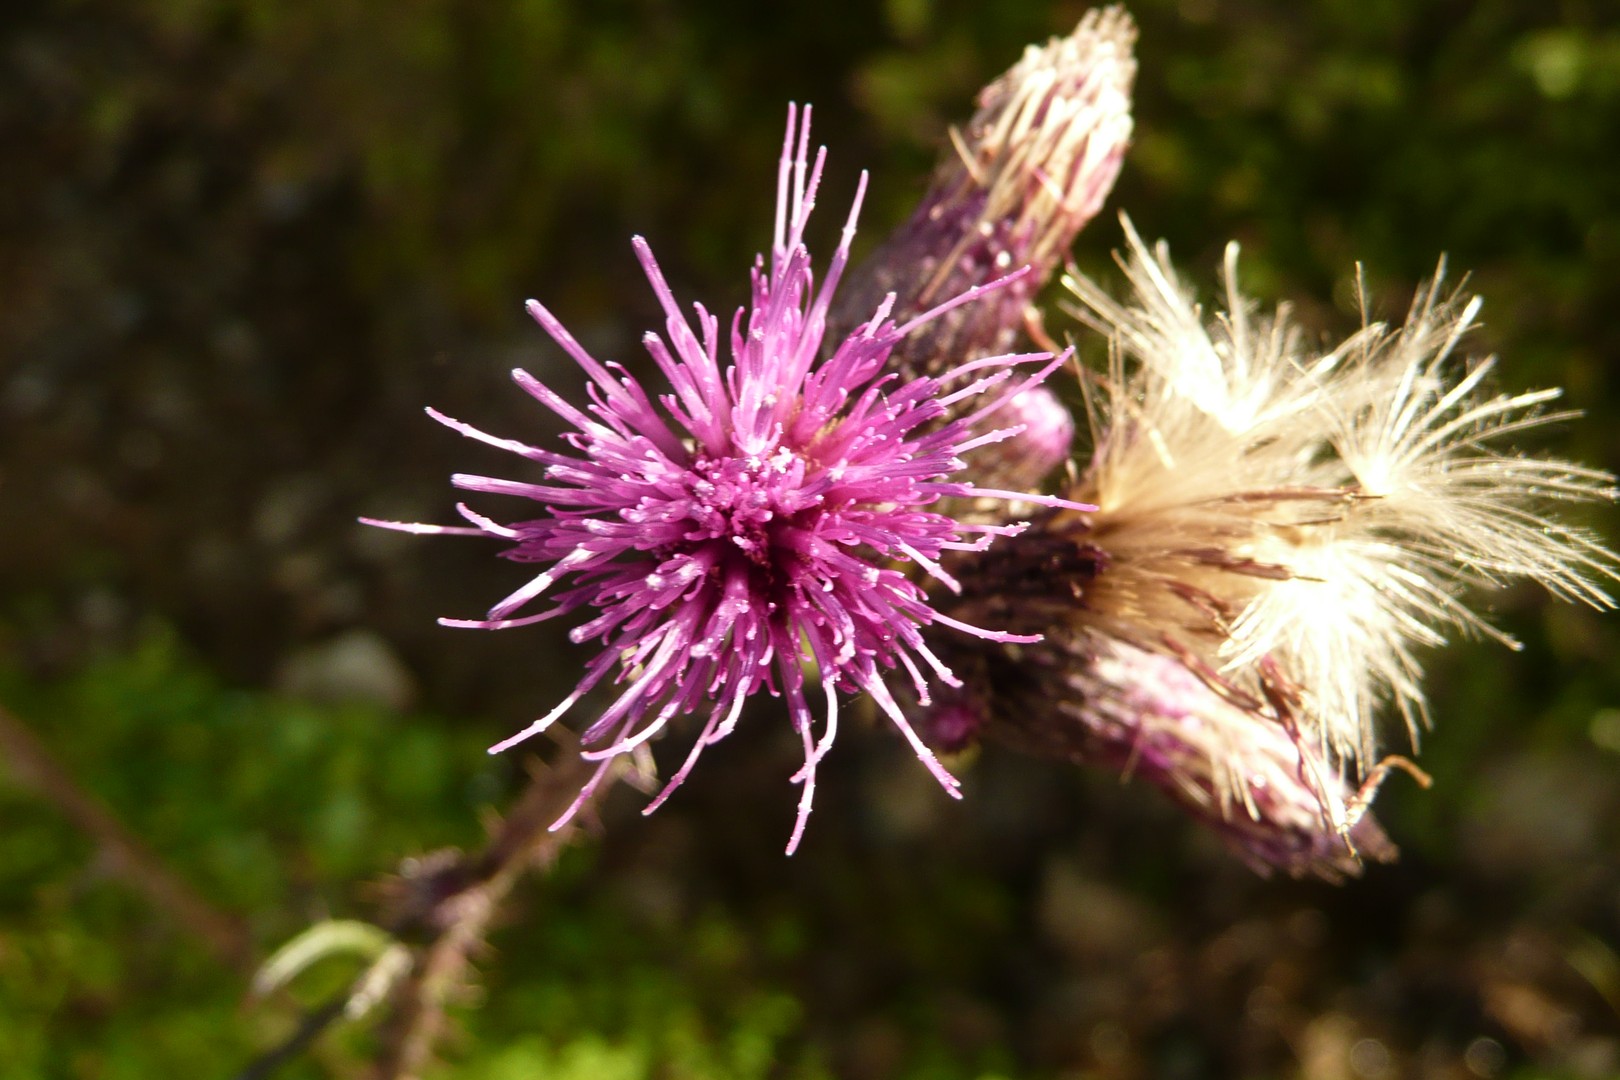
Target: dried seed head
column 1280, row 534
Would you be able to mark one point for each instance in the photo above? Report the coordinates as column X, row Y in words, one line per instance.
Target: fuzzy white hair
column 1297, row 525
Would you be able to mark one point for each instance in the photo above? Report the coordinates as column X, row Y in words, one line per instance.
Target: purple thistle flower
column 747, row 529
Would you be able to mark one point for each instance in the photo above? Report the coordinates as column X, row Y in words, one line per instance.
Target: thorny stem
column 34, row 765
column 442, row 915
column 522, row 840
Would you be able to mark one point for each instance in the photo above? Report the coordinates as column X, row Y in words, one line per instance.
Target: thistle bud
column 1031, row 168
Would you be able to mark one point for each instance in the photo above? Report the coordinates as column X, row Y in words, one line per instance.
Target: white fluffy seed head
column 1309, row 520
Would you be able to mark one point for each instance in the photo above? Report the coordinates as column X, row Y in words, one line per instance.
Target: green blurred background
column 243, row 243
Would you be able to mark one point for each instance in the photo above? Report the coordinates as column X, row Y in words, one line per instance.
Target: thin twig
column 309, row 1029
column 34, row 765
column 522, row 841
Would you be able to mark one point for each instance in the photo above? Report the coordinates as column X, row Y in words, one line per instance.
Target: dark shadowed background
column 243, row 243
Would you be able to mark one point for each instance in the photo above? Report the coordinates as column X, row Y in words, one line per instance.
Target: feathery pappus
column 1280, row 532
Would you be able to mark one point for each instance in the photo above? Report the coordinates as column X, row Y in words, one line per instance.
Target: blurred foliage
column 274, row 809
column 246, row 241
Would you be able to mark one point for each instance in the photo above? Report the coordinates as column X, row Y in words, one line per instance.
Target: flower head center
column 746, row 501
